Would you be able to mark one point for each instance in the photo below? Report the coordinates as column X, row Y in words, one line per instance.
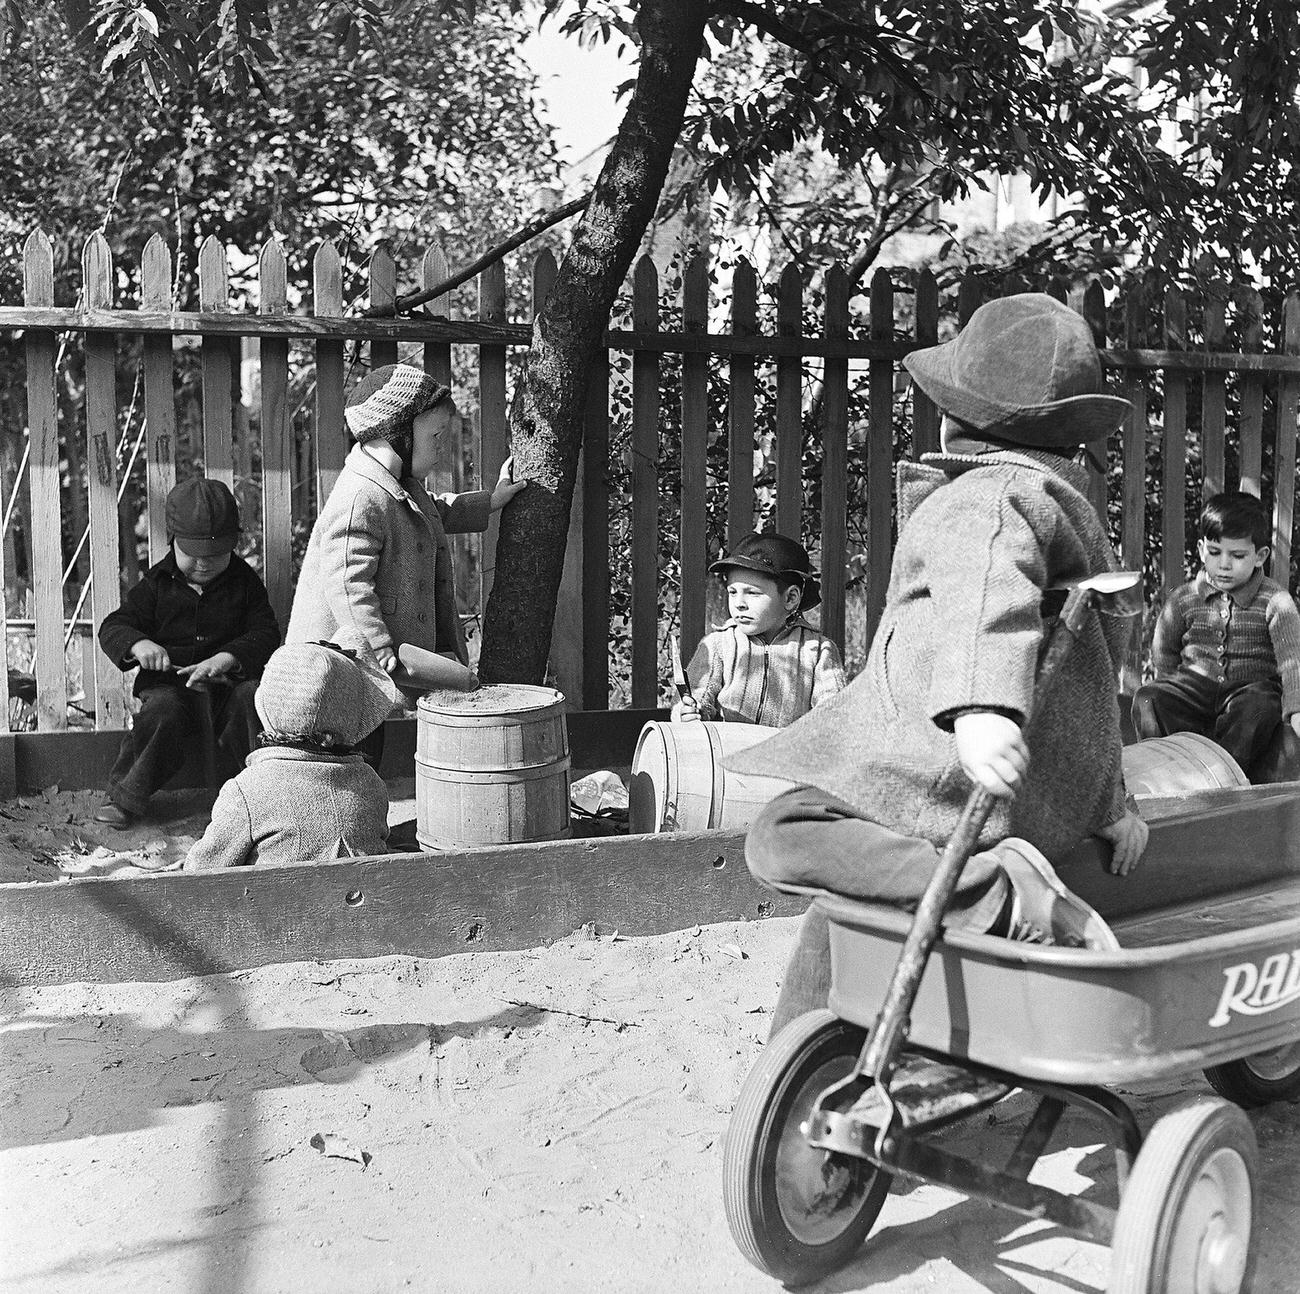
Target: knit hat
column 334, row 693
column 1024, row 370
column 775, row 556
column 202, row 517
column 389, row 399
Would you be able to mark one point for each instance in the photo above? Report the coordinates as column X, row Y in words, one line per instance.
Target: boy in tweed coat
column 767, row 665
column 987, row 529
column 1227, row 644
column 306, row 796
column 378, row 562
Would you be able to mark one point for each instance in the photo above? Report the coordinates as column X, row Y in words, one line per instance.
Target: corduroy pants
column 167, row 723
column 808, row 837
column 1242, row 718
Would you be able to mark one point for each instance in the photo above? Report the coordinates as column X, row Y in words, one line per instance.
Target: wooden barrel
column 679, row 784
column 491, row 767
column 1179, row 764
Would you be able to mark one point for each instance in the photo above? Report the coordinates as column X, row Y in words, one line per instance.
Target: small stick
column 577, row 1015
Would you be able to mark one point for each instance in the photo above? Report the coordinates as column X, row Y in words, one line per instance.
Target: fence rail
column 782, row 403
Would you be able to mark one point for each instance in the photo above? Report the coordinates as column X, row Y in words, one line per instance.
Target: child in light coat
column 305, row 795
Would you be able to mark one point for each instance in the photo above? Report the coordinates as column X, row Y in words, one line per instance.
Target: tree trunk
column 547, row 417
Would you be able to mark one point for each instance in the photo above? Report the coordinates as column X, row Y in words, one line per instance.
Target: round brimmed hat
column 774, row 556
column 389, row 399
column 333, row 693
column 202, row 517
column 1024, row 369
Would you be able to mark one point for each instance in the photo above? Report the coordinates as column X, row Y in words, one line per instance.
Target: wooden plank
column 880, row 460
column 743, row 388
column 789, row 409
column 1213, row 394
column 692, row 553
column 835, row 460
column 382, row 274
column 331, row 431
column 1251, row 452
column 970, row 296
column 1094, row 311
column 1133, row 493
column 925, row 415
column 1284, row 463
column 437, row 354
column 101, row 471
column 43, row 484
column 645, row 491
column 595, row 538
column 494, row 435
column 511, row 897
column 277, row 438
column 218, row 368
column 1173, row 522
column 159, row 397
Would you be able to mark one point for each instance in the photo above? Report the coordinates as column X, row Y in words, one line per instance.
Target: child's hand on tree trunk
column 506, row 487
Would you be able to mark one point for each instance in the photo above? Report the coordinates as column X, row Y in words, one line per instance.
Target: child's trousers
column 167, row 723
column 1242, row 718
column 808, row 837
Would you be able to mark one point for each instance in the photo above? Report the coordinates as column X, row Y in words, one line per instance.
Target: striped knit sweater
column 1243, row 637
column 739, row 679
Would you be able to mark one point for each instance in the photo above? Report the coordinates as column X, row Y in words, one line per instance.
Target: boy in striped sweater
column 1227, row 644
column 767, row 664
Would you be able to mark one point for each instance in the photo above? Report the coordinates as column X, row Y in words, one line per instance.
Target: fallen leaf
column 334, row 1146
column 734, row 950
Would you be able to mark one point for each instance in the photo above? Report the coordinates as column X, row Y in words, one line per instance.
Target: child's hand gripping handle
column 887, row 1035
column 687, row 708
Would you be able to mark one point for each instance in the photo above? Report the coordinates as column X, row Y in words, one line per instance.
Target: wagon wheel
column 1184, row 1221
column 797, row 1212
column 1261, row 1079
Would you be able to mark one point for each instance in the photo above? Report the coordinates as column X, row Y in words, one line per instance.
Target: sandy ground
column 543, row 1120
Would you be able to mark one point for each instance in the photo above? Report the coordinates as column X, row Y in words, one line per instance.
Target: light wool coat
column 378, row 561
column 981, row 538
column 295, row 806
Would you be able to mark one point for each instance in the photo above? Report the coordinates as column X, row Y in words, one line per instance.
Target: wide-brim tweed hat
column 389, row 399
column 332, row 693
column 1025, row 370
column 775, row 556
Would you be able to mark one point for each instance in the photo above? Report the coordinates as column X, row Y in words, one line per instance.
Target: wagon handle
column 880, row 1054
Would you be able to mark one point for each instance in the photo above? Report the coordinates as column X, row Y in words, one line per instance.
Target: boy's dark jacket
column 980, row 539
column 232, row 614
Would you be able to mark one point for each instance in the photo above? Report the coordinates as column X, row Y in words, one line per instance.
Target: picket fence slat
column 742, row 379
column 595, row 539
column 493, row 435
column 694, row 459
column 331, row 434
column 1251, row 453
column 159, row 400
column 880, row 457
column 1133, row 490
column 1173, row 509
column 382, row 275
column 1214, row 401
column 1094, row 309
column 218, row 366
column 645, row 492
column 925, row 414
column 789, row 408
column 1284, row 463
column 101, row 460
column 43, row 486
column 277, row 439
column 835, row 454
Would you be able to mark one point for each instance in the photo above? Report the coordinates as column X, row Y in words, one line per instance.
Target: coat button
column 419, row 548
column 421, row 617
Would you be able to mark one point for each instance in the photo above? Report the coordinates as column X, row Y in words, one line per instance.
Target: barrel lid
column 492, row 698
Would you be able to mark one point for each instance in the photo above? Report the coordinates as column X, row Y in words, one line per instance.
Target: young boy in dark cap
column 986, row 528
column 378, row 562
column 198, row 619
column 1227, row 644
column 306, row 796
column 767, row 664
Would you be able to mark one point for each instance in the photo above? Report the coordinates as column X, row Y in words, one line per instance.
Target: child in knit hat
column 378, row 562
column 306, row 796
column 767, row 664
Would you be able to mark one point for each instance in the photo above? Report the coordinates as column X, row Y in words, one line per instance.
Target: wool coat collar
column 917, row 481
column 364, row 465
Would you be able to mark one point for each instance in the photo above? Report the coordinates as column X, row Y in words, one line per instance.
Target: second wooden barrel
column 1179, row 764
column 679, row 783
column 491, row 767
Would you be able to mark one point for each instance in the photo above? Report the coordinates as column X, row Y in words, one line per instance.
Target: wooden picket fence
column 1231, row 358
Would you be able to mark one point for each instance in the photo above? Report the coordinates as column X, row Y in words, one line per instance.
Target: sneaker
column 113, row 815
column 1043, row 911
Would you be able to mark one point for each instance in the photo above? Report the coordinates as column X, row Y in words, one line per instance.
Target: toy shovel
column 426, row 671
column 679, row 673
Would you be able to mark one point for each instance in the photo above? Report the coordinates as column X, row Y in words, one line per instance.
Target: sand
column 541, row 1120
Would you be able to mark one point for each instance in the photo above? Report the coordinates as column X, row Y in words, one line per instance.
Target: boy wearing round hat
column 306, row 796
column 767, row 665
column 198, row 620
column 378, row 562
column 986, row 528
